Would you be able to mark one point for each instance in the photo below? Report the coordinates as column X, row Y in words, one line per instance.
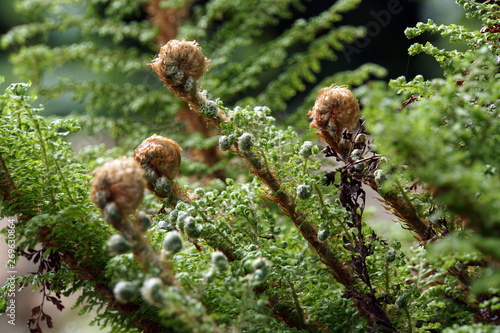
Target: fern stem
column 408, row 318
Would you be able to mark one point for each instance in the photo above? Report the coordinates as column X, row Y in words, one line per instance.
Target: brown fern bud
column 180, row 64
column 120, row 182
column 161, row 159
column 335, row 110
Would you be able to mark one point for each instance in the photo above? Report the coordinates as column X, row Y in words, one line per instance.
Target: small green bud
column 164, row 225
column 261, row 265
column 261, row 270
column 225, row 142
column 181, row 220
column 304, row 191
column 252, row 247
column 144, row 220
column 210, row 275
column 125, row 291
column 383, row 160
column 359, row 166
column 100, row 198
column 111, row 213
column 259, row 276
column 356, row 153
column 379, row 175
column 219, row 260
column 360, row 138
column 306, row 149
column 199, row 192
column 323, row 235
column 150, row 176
column 247, row 265
column 118, row 245
column 151, row 290
column 490, row 170
column 390, row 255
column 172, row 242
column 191, row 228
column 245, row 142
column 402, row 301
column 209, row 109
column 173, row 215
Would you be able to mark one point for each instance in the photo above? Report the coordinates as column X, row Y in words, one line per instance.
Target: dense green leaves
column 447, row 136
column 258, row 236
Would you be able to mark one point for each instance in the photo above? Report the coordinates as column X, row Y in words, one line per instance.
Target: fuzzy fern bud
column 219, row 260
column 172, row 242
column 161, row 158
column 121, row 182
column 335, row 110
column 260, row 263
column 125, row 291
column 118, row 245
column 179, row 65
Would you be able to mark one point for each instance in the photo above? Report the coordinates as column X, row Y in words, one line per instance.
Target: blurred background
column 385, row 45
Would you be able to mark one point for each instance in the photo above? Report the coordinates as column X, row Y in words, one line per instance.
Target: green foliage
column 258, row 238
column 47, row 189
column 447, row 137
